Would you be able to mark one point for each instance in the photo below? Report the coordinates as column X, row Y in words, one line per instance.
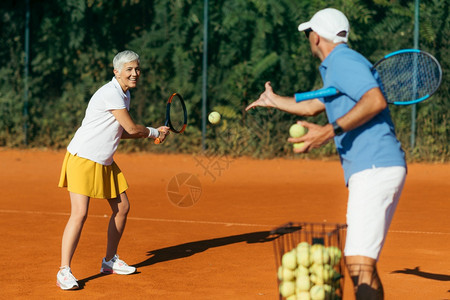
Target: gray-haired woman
column 89, row 170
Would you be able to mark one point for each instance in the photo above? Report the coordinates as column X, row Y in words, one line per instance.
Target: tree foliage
column 249, row 42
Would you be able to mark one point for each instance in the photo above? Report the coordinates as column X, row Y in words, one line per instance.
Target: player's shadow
column 192, row 248
column 417, row 272
column 189, row 249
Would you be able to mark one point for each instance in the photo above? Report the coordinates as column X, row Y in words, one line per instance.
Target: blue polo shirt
column 373, row 144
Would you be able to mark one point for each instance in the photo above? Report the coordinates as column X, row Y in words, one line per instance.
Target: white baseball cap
column 328, row 23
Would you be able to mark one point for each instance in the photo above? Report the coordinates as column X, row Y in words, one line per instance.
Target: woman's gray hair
column 124, row 57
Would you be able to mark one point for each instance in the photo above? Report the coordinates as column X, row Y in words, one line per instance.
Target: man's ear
column 316, row 39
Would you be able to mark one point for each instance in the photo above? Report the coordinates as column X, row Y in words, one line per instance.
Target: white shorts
column 373, row 198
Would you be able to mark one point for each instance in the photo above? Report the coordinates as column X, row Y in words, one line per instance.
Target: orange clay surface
column 217, row 248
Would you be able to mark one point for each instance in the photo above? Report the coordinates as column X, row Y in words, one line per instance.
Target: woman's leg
column 120, row 208
column 72, row 232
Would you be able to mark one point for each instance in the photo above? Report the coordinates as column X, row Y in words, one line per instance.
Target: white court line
column 141, row 219
column 199, row 222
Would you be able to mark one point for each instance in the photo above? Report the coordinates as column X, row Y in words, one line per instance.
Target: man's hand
column 316, row 136
column 266, row 99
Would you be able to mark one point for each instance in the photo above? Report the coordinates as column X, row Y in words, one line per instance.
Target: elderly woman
column 89, row 170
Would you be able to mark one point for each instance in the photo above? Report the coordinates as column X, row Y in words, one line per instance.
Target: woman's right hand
column 164, row 131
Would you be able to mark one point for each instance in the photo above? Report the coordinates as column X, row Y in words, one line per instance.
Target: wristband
column 337, row 129
column 154, row 133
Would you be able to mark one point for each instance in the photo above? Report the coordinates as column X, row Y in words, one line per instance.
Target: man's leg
column 373, row 198
column 364, row 275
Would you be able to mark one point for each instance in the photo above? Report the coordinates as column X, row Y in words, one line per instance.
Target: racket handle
column 331, row 91
column 158, row 140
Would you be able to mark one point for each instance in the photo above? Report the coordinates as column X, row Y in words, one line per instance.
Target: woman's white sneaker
column 65, row 280
column 116, row 266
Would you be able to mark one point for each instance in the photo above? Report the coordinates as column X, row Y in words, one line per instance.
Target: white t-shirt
column 99, row 135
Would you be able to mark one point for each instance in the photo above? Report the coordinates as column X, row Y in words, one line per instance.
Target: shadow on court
column 189, row 249
column 416, row 271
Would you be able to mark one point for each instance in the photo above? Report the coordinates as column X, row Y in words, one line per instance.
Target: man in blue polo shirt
column 360, row 124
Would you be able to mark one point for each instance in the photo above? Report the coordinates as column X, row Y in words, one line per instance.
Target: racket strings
column 177, row 120
column 408, row 76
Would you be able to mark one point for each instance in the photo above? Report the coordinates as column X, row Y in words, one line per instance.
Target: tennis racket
column 176, row 115
column 406, row 77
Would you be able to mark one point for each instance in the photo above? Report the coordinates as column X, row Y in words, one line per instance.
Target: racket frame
column 331, row 91
column 167, row 122
column 399, row 52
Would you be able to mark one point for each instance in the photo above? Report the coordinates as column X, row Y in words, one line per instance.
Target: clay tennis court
column 216, row 248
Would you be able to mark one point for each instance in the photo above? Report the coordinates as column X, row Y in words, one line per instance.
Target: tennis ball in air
column 214, row 117
column 297, row 130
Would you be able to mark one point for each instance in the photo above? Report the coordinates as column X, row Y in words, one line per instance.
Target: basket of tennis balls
column 309, row 261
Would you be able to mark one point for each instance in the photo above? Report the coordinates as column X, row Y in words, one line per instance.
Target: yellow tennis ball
column 289, row 260
column 317, row 292
column 303, row 296
column 287, row 288
column 214, row 117
column 335, row 255
column 319, row 254
column 302, row 283
column 297, row 130
column 285, row 274
column 298, row 145
column 303, row 257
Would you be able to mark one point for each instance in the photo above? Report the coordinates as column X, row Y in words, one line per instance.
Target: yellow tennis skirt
column 86, row 177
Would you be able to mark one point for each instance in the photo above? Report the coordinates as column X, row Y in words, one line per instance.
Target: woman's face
column 129, row 75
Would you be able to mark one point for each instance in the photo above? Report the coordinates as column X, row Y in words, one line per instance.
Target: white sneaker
column 116, row 266
column 65, row 280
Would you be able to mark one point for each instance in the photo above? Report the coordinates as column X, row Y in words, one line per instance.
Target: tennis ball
column 335, row 278
column 285, row 274
column 335, row 255
column 303, row 245
column 317, row 292
column 289, row 260
column 303, row 296
column 328, row 289
column 287, row 288
column 297, row 130
column 301, row 270
column 298, row 145
column 214, row 117
column 302, row 283
column 319, row 254
column 315, row 279
column 303, row 256
column 327, row 273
